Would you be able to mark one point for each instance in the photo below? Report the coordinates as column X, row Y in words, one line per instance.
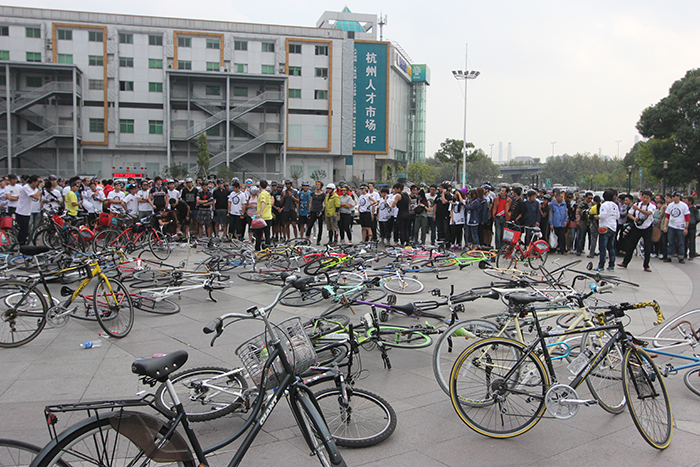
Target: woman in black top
column 316, row 212
column 403, row 218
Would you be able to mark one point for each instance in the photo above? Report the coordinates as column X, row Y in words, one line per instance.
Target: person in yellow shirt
column 332, row 204
column 264, row 211
column 72, row 203
column 593, row 225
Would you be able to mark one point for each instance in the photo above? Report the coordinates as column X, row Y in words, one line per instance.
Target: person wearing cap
column 29, row 195
column 676, row 222
column 220, row 195
column 366, row 205
column 145, row 205
column 290, row 204
column 205, row 203
column 303, row 207
column 71, row 200
column 331, row 206
column 131, row 200
column 12, row 191
column 115, row 198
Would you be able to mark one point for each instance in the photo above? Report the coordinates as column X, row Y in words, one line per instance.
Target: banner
column 371, row 98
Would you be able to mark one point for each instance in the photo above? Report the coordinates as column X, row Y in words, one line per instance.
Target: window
column 126, row 62
column 95, row 36
column 184, row 41
column 33, row 32
column 214, row 131
column 268, row 69
column 294, row 48
column 213, row 43
column 4, row 54
column 126, row 126
column 3, row 80
column 155, row 40
column 155, row 127
column 64, row 34
column 268, row 46
column 321, row 50
column 320, row 132
column 213, row 66
column 97, row 125
column 184, row 65
column 155, row 87
column 240, row 45
column 321, row 72
column 126, row 38
column 294, row 93
column 65, row 58
column 95, row 60
column 96, row 84
column 34, row 82
column 294, row 71
column 126, row 85
column 4, row 30
column 294, row 131
column 239, row 91
column 320, row 94
column 155, row 63
column 240, row 67
column 212, row 90
column 33, row 56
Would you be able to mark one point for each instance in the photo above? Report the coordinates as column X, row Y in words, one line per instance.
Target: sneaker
column 681, row 261
column 591, row 255
column 667, row 260
column 611, row 268
column 653, row 255
column 622, row 265
column 599, row 269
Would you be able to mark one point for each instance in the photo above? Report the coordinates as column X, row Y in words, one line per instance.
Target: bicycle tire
column 604, row 381
column 105, row 239
column 537, row 258
column 296, row 298
column 315, row 430
column 485, row 254
column 666, row 337
column 372, row 294
column 73, row 239
column 14, row 453
column 322, row 263
column 647, row 398
column 403, row 285
column 271, row 278
column 147, row 302
column 480, row 397
column 21, row 319
column 453, row 341
column 116, row 318
column 96, row 442
column 365, row 420
column 47, row 236
column 345, row 278
column 159, row 244
column 401, row 336
column 203, row 403
column 507, row 256
column 691, row 378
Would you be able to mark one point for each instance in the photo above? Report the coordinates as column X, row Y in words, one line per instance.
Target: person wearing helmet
column 303, row 207
column 332, row 204
column 250, row 208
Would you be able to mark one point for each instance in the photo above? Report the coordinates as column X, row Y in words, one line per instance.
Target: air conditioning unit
column 49, row 44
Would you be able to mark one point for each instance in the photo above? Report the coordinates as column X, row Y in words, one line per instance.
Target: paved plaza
column 53, row 369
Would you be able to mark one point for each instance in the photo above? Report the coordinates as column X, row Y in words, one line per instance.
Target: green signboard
column 420, row 74
column 371, row 106
column 548, row 182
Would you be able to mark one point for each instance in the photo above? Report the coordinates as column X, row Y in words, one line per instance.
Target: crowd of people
column 572, row 222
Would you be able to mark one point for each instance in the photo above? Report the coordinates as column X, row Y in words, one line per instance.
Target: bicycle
column 132, row 238
column 515, row 250
column 117, row 433
column 501, row 388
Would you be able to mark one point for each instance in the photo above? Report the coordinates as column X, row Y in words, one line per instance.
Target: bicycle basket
column 108, row 219
column 300, row 353
column 6, row 222
column 86, row 233
column 510, row 236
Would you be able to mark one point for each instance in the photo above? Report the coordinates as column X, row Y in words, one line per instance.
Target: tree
column 296, row 172
column 203, row 159
column 318, row 175
column 176, row 171
column 225, row 173
column 673, row 128
column 451, row 152
column 481, row 168
column 421, row 173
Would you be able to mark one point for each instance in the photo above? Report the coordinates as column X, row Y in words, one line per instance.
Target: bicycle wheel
column 403, row 285
column 345, row 278
column 72, row 239
column 319, row 327
column 48, row 236
column 302, row 297
column 113, row 307
column 401, row 336
column 319, row 264
column 363, row 419
column 604, row 381
column 15, row 453
column 507, row 256
column 371, row 294
column 482, row 254
column 453, row 341
column 668, row 337
column 271, row 278
column 692, row 380
column 315, row 430
column 492, row 395
column 105, row 239
column 647, row 398
column 159, row 244
column 537, row 258
column 22, row 313
column 101, row 442
column 206, row 393
column 146, row 301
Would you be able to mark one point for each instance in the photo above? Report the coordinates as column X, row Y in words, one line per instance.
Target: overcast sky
column 575, row 72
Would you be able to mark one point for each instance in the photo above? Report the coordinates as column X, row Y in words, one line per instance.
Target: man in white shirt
column 172, row 192
column 29, row 194
column 116, row 199
column 642, row 216
column 96, row 196
column 235, row 209
column 607, row 228
column 676, row 224
column 12, row 193
column 131, row 201
column 375, row 208
column 145, row 205
column 52, row 199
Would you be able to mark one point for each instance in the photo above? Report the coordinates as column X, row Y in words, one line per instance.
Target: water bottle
column 90, row 344
column 104, row 335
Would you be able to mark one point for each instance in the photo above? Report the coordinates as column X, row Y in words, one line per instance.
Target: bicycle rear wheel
column 113, row 307
column 159, row 244
column 647, row 398
column 105, row 239
column 507, row 256
column 363, row 419
column 146, row 301
column 22, row 313
column 315, row 430
column 537, row 258
column 678, row 331
column 692, row 380
column 271, row 278
column 302, row 297
column 15, row 453
column 403, row 285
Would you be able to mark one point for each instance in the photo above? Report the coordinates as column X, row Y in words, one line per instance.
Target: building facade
column 108, row 95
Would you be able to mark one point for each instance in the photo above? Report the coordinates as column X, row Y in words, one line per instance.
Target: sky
column 577, row 73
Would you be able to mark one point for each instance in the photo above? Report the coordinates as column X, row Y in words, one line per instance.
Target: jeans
column 606, row 243
column 581, row 238
column 594, row 237
column 500, row 223
column 676, row 242
column 471, row 236
column 431, row 228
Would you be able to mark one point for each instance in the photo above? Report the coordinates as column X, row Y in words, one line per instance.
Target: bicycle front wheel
column 315, row 430
column 100, row 442
column 22, row 313
column 537, row 258
column 159, row 244
column 678, row 331
column 113, row 307
column 403, row 285
column 147, row 301
column 604, row 380
column 402, row 337
column 647, row 398
column 495, row 396
column 297, row 298
column 692, row 380
column 507, row 256
column 361, row 420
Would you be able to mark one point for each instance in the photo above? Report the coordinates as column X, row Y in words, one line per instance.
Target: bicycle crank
column 562, row 401
column 58, row 316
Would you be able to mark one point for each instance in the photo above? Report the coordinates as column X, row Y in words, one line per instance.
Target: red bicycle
column 515, row 251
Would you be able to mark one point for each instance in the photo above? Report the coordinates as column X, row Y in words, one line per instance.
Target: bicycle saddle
column 159, row 368
column 31, row 250
column 407, row 308
column 525, row 299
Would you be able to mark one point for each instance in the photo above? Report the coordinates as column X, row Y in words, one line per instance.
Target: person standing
column 642, row 216
column 692, row 227
column 28, row 196
column 376, row 196
column 220, row 195
column 420, row 226
column 236, row 219
column 366, row 207
column 402, row 203
column 331, row 206
column 456, row 220
column 430, row 197
column 593, row 226
column 558, row 218
column 500, row 212
column 12, row 191
column 303, row 208
column 145, row 205
column 532, row 213
column 115, row 198
column 607, row 225
column 205, row 202
column 346, row 207
column 517, row 207
column 290, row 205
column 384, row 217
column 676, row 225
column 583, row 216
column 264, row 211
column 442, row 212
column 316, row 215
column 544, row 216
column 158, row 195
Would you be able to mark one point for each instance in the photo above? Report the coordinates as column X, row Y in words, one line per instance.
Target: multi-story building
column 106, row 94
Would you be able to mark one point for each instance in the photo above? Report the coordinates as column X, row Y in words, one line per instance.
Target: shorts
column 220, row 216
column 204, row 217
column 303, row 220
column 332, row 223
column 366, row 219
column 288, row 216
column 232, row 218
column 181, row 219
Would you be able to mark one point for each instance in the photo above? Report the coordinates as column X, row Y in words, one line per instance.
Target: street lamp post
column 464, row 76
column 663, row 187
column 629, row 180
column 553, row 143
column 618, row 141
